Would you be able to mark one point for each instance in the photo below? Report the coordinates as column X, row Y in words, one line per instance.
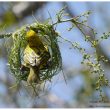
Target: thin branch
column 99, row 49
column 5, row 35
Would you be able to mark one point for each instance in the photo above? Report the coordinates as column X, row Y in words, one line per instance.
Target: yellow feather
column 32, row 56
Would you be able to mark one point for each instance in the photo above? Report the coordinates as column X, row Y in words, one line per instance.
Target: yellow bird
column 36, row 56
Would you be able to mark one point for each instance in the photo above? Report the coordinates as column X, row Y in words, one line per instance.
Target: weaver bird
column 36, row 56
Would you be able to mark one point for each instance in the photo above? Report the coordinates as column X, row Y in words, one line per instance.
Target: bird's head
column 31, row 37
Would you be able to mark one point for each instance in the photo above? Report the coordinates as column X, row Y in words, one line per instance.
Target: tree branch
column 99, row 49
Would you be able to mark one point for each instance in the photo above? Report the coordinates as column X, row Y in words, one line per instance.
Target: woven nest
column 49, row 37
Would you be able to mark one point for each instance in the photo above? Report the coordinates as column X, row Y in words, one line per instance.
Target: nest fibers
column 49, row 37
